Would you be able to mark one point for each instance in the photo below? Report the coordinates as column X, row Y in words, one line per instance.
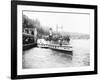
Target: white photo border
column 53, row 70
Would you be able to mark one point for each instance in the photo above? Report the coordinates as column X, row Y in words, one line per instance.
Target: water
column 47, row 58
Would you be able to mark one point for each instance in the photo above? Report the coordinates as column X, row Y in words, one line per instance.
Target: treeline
column 34, row 23
column 44, row 30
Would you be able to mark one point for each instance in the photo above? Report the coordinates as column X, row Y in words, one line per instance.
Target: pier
column 29, row 38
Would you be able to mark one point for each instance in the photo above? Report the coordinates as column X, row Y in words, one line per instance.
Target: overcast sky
column 70, row 22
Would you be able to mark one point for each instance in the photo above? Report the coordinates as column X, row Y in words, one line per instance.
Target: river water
column 47, row 58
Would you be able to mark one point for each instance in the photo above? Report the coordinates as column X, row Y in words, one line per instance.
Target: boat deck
column 63, row 48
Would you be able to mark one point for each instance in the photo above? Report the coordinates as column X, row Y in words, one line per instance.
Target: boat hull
column 63, row 51
column 64, row 48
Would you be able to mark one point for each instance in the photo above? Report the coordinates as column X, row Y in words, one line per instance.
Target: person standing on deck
column 68, row 39
column 60, row 41
column 50, row 34
column 35, row 35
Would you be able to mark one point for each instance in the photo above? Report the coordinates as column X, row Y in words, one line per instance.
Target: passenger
column 60, row 41
column 50, row 34
column 68, row 39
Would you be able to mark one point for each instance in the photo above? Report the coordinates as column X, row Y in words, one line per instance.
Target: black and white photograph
column 53, row 39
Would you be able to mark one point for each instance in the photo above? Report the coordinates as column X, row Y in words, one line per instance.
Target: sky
column 70, row 22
